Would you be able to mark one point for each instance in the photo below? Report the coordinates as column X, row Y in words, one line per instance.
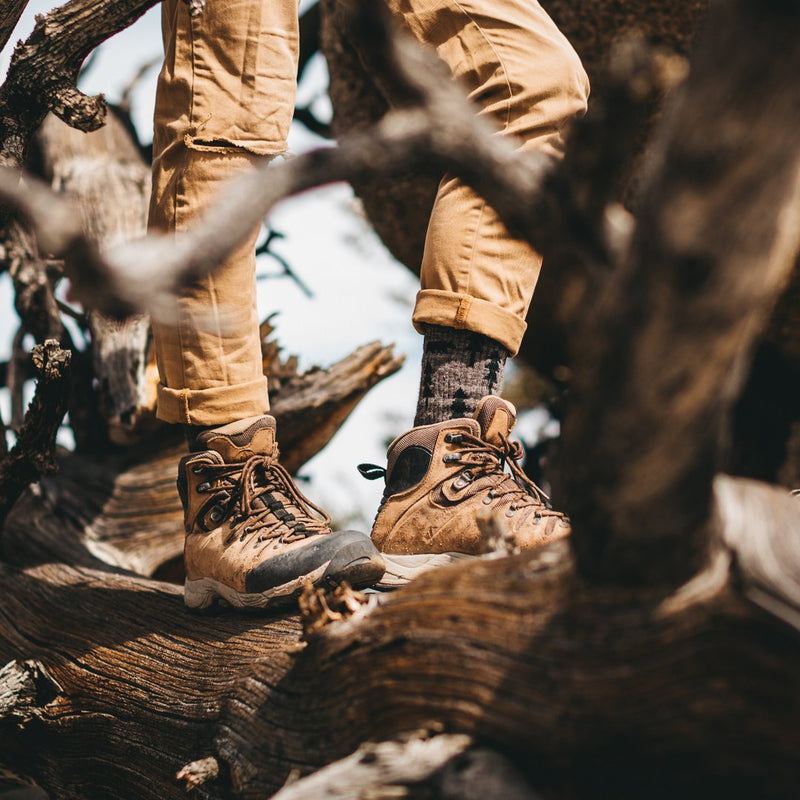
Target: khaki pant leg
column 522, row 72
column 224, row 101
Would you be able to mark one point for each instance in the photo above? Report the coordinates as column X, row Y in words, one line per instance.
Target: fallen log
column 594, row 689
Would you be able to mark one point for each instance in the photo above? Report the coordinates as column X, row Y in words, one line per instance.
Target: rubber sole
column 402, row 569
column 206, row 594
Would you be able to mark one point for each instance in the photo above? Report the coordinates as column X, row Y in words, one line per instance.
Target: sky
column 360, row 294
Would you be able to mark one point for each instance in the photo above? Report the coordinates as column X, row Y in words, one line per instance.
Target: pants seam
column 500, row 61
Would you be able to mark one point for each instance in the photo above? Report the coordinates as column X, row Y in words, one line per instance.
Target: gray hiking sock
column 459, row 367
column 191, row 432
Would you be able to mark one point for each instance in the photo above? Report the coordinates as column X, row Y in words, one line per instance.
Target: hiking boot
column 440, row 477
column 251, row 536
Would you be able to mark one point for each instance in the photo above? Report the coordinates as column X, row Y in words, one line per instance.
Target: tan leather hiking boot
column 251, row 536
column 440, row 477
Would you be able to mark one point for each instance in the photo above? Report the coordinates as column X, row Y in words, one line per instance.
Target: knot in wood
column 25, row 687
column 51, row 362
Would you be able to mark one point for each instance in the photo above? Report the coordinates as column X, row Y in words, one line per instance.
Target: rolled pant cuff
column 216, row 406
column 439, row 307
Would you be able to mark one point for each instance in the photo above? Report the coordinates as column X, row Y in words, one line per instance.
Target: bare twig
column 264, row 249
column 307, row 117
column 127, row 92
column 34, row 453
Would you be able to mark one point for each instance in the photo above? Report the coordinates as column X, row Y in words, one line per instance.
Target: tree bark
column 43, row 71
column 591, row 689
column 33, row 455
column 9, row 17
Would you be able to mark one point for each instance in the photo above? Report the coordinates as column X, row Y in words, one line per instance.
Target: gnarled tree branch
column 44, row 69
column 34, row 453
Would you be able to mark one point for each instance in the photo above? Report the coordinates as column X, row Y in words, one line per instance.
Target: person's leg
column 523, row 74
column 212, row 121
column 224, row 101
column 476, row 286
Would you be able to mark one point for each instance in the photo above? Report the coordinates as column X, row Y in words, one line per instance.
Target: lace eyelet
column 198, row 470
column 202, row 488
column 511, row 511
column 450, row 458
column 488, row 500
column 216, row 514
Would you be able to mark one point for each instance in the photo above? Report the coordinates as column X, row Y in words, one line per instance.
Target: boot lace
column 484, row 468
column 260, row 496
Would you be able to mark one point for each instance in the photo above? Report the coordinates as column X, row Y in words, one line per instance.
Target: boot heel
column 196, row 596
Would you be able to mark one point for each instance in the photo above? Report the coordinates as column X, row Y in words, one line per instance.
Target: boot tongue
column 496, row 418
column 238, row 441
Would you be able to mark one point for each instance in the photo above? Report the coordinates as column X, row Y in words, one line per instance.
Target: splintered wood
column 320, row 607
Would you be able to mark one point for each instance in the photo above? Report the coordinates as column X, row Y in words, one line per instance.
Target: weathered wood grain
column 593, row 689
